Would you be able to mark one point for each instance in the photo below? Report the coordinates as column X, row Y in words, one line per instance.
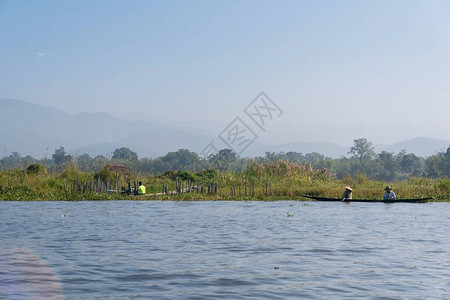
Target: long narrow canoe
column 419, row 200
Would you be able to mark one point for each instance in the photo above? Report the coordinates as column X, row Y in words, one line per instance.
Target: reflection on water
column 229, row 250
column 24, row 275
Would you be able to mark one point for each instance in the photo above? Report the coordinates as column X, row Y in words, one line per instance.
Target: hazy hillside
column 420, row 146
column 37, row 130
column 32, row 129
column 344, row 134
column 152, row 143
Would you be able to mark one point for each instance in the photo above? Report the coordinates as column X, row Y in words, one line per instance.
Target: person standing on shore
column 347, row 193
column 389, row 194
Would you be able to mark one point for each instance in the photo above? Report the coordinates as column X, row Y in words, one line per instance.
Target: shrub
column 104, row 174
column 36, row 169
column 444, row 185
column 208, row 175
column 182, row 175
column 71, row 172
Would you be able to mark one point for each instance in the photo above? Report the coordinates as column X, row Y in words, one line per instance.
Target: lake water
column 224, row 250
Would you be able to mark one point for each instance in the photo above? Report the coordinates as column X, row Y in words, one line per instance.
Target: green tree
column 182, row 159
column 388, row 165
column 223, row 159
column 15, row 160
column 60, row 157
column 445, row 167
column 146, row 165
column 125, row 154
column 295, row 157
column 433, row 165
column 410, row 163
column 314, row 157
column 363, row 151
column 84, row 162
column 272, row 156
column 98, row 162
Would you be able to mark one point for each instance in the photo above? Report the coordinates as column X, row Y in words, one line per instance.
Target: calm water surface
column 224, row 250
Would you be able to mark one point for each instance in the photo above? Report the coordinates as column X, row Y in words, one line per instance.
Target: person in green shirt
column 141, row 188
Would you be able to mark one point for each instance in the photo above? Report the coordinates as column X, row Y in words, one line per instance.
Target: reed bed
column 279, row 180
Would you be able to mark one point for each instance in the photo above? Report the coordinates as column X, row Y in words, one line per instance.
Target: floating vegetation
column 279, row 180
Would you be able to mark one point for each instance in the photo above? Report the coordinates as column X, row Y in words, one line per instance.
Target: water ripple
column 223, row 250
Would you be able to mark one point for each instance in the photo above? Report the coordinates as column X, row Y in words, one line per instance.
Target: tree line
column 362, row 160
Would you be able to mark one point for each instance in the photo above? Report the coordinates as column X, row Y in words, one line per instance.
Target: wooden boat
column 418, row 200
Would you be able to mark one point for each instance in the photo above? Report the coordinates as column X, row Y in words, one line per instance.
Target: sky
column 335, row 62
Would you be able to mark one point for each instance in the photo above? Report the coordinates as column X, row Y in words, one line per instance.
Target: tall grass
column 263, row 181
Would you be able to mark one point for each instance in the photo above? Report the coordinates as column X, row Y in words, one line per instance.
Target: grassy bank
column 270, row 181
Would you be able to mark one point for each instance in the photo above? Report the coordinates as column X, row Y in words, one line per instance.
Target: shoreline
column 193, row 198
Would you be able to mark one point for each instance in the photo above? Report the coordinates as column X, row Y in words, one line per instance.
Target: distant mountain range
column 37, row 130
column 420, row 146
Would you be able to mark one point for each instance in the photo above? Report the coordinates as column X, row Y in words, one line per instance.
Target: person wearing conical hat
column 347, row 193
column 389, row 194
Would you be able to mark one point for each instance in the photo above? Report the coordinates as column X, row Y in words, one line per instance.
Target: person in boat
column 389, row 194
column 141, row 188
column 347, row 193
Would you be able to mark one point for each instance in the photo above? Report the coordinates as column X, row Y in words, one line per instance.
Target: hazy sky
column 338, row 61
